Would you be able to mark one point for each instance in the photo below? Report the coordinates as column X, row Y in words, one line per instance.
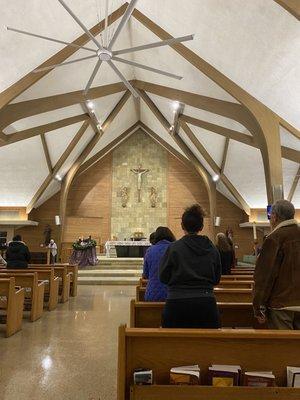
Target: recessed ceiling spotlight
column 175, row 105
column 99, row 126
column 90, row 104
column 171, row 128
column 58, row 178
column 215, row 178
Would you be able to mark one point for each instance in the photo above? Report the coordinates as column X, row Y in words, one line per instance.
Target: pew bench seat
column 11, row 306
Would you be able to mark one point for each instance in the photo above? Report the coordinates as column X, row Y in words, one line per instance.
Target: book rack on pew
column 162, row 349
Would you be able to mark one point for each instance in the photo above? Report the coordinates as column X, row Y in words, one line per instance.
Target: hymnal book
column 186, row 375
column 225, row 375
column 293, row 376
column 143, row 377
column 259, row 378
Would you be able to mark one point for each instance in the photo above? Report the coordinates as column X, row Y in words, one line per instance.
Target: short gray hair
column 284, row 210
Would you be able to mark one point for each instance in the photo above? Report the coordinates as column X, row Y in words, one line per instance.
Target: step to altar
column 112, row 271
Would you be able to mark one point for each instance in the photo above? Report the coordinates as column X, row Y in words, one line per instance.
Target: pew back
column 233, row 315
column 13, row 305
column 162, row 349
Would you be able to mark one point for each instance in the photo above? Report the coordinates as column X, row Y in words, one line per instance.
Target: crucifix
column 139, row 172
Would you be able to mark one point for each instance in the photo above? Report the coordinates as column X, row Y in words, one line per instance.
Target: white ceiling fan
column 106, row 53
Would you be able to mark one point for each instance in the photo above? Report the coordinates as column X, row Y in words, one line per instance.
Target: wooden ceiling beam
column 46, row 152
column 294, row 185
column 224, row 108
column 69, row 177
column 57, row 166
column 221, row 130
column 214, row 166
column 210, row 186
column 28, row 80
column 52, row 126
column 224, row 158
column 265, row 125
column 292, row 6
column 24, row 109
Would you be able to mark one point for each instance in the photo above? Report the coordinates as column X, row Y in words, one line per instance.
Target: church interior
column 118, row 119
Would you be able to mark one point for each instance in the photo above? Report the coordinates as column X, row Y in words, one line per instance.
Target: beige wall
column 139, row 149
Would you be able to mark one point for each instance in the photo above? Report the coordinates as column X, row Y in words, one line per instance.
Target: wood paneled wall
column 186, row 188
column 45, row 214
column 90, row 197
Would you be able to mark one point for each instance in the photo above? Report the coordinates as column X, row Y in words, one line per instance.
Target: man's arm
column 265, row 274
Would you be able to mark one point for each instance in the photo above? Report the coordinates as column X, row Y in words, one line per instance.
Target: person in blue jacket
column 156, row 291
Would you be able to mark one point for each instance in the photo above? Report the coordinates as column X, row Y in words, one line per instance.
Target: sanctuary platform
column 112, row 271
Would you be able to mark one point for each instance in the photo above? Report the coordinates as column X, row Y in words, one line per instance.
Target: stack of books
column 225, row 375
column 293, row 376
column 259, row 379
column 186, row 375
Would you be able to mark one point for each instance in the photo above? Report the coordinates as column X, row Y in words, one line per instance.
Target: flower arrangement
column 84, row 244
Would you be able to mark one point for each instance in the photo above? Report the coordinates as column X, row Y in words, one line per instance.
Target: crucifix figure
column 139, row 172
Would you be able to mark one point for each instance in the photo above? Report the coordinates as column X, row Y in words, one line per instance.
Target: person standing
column 277, row 272
column 191, row 268
column 53, row 251
column 17, row 254
column 155, row 290
column 225, row 252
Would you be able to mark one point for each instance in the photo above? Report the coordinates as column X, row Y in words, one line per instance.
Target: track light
column 215, row 178
column 175, row 105
column 90, row 105
column 58, row 178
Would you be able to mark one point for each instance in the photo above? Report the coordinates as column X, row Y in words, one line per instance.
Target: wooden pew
column 233, row 315
column 14, row 305
column 162, row 349
column 65, row 279
column 71, row 269
column 51, row 283
column 223, row 295
column 30, row 281
column 233, row 284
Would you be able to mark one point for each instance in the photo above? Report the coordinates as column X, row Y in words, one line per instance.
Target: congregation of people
column 183, row 273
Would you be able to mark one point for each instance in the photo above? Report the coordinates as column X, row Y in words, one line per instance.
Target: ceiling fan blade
column 167, row 42
column 64, row 63
column 50, row 39
column 94, row 73
column 106, row 23
column 123, row 22
column 138, row 65
column 80, row 24
column 124, row 80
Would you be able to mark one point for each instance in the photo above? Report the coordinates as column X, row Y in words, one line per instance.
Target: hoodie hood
column 198, row 244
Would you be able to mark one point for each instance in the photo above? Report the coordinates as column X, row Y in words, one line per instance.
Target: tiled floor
column 69, row 354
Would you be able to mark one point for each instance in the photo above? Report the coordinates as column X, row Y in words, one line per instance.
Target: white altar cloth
column 110, row 249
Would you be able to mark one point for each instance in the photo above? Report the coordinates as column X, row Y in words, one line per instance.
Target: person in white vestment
column 53, row 251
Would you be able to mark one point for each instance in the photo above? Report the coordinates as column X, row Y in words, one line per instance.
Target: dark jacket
column 155, row 290
column 277, row 271
column 191, row 267
column 226, row 261
column 17, row 255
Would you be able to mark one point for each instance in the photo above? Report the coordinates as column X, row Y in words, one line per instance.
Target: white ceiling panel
column 151, row 122
column 124, row 120
column 76, row 152
column 58, row 140
column 244, row 168
column 51, row 190
column 44, row 118
column 289, row 169
column 289, row 140
column 24, row 168
column 212, row 142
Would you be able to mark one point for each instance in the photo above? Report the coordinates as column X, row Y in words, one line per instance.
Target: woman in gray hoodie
column 191, row 268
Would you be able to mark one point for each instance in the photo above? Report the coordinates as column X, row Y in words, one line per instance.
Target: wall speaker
column 57, row 220
column 217, row 221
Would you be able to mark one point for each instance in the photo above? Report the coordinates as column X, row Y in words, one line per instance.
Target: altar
column 126, row 248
